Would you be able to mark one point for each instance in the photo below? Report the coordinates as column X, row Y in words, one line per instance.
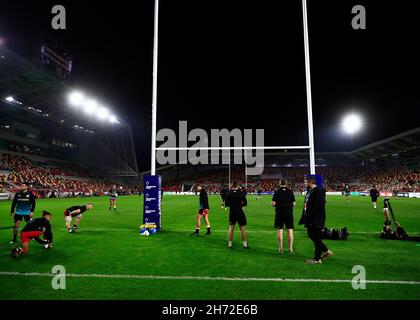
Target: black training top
column 235, row 200
column 74, row 208
column 283, row 197
column 374, row 193
column 39, row 224
column 224, row 192
column 204, row 200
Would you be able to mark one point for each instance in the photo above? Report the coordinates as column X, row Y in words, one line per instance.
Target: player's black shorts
column 347, row 194
column 374, row 199
column 284, row 217
column 20, row 217
column 237, row 218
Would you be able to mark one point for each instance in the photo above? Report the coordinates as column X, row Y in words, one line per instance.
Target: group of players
column 373, row 193
column 23, row 207
column 283, row 200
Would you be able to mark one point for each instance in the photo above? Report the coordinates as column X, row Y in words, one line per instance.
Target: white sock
column 245, row 243
column 230, row 243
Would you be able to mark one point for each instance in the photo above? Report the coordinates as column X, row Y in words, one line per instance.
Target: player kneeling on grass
column 34, row 229
column 236, row 200
column 203, row 212
column 77, row 212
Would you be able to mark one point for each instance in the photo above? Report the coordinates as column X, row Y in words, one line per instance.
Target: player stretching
column 203, row 212
column 23, row 207
column 75, row 211
column 33, row 230
column 113, row 194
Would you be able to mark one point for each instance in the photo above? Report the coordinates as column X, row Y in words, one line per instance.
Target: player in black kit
column 284, row 201
column 374, row 194
column 236, row 200
column 223, row 193
column 75, row 211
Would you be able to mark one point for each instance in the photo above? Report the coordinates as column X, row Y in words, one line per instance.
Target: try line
column 205, row 278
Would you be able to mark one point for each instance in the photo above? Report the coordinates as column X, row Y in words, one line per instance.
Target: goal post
column 311, row 147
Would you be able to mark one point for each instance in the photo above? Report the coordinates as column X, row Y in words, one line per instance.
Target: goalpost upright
column 308, row 97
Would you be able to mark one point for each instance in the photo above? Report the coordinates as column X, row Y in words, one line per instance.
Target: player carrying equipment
column 113, row 194
column 23, row 207
column 75, row 211
column 33, row 230
column 203, row 212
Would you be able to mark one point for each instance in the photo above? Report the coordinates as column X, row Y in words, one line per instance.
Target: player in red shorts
column 34, row 229
column 203, row 212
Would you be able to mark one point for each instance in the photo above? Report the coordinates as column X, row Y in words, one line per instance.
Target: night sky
column 238, row 66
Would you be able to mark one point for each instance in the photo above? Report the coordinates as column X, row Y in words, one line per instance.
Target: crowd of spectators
column 358, row 178
column 51, row 179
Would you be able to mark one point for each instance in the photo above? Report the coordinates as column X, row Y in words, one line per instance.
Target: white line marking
column 214, row 231
column 155, row 277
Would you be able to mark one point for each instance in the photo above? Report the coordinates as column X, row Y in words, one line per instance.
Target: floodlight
column 90, row 106
column 352, row 123
column 10, row 99
column 113, row 119
column 103, row 113
column 76, row 99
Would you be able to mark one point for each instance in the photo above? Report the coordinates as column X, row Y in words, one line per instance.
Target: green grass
column 109, row 243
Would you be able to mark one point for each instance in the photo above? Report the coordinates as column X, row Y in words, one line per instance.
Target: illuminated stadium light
column 113, row 119
column 103, row 113
column 352, row 123
column 10, row 99
column 91, row 106
column 77, row 99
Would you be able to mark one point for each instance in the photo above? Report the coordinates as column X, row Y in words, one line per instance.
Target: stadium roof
column 31, row 93
column 405, row 145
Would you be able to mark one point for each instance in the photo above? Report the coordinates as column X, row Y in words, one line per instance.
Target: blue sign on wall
column 152, row 199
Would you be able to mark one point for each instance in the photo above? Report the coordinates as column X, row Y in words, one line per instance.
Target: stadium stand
column 392, row 164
